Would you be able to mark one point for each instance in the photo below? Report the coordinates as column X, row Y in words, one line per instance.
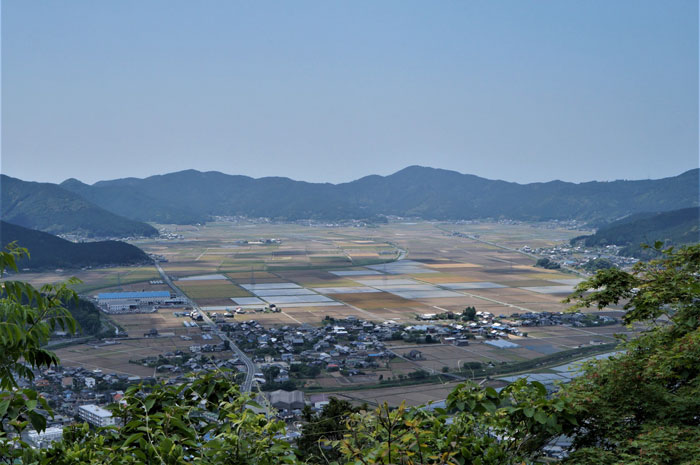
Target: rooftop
column 133, row 295
column 97, row 411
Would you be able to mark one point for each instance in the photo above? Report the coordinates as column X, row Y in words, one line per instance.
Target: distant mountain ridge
column 53, row 209
column 192, row 196
column 49, row 252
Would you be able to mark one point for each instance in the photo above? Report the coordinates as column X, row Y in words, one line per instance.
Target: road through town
column 247, row 385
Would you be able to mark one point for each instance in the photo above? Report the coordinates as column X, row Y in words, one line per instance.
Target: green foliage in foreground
column 641, row 407
column 86, row 314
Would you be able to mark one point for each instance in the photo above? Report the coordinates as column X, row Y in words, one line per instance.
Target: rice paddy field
column 116, row 358
column 392, row 272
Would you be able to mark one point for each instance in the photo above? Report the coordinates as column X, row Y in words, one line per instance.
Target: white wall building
column 96, row 416
column 46, row 437
column 89, row 382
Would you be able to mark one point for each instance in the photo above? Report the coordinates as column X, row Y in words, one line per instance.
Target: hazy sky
column 332, row 91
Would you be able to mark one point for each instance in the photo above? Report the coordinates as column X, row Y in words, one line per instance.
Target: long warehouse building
column 125, row 300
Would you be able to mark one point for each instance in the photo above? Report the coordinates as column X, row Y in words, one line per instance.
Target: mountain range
column 121, row 207
column 53, row 209
column 192, row 196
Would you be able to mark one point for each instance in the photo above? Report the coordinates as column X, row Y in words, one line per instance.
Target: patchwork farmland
column 394, row 273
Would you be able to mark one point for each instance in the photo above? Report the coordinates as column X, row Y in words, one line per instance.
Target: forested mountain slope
column 50, row 208
column 50, row 252
column 193, row 196
column 677, row 227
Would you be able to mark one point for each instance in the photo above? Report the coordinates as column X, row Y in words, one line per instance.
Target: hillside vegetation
column 673, row 228
column 50, row 208
column 192, row 196
column 86, row 314
column 50, row 252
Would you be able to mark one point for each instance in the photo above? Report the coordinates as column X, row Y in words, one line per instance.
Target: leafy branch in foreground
column 27, row 318
column 205, row 421
column 643, row 405
column 658, row 287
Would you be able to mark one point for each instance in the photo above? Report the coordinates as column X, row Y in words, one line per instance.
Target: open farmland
column 95, row 279
column 115, row 358
column 347, row 271
column 412, row 395
column 212, row 291
column 315, row 272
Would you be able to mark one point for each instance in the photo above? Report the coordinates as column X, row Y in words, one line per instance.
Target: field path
column 291, row 317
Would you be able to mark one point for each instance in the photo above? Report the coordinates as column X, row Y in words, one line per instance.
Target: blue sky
column 332, row 91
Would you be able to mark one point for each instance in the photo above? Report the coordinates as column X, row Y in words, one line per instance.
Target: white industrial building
column 46, row 437
column 96, row 416
column 120, row 301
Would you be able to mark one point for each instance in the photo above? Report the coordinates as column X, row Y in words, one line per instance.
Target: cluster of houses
column 165, row 234
column 349, row 344
column 578, row 320
column 578, row 257
column 262, row 241
column 76, row 393
column 352, row 344
column 180, row 362
column 484, row 326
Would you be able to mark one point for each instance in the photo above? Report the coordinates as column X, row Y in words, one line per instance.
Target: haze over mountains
column 119, row 208
column 192, row 196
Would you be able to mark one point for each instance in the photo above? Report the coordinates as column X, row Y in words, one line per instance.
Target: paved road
column 247, row 385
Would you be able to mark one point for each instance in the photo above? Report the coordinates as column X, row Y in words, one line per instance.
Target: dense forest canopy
column 51, row 252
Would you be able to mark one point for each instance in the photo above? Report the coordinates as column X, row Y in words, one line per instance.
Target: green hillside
column 87, row 315
column 50, row 208
column 192, row 196
column 677, row 227
column 50, row 252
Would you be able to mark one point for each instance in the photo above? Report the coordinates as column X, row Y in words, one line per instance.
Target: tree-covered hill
column 50, row 208
column 677, row 227
column 86, row 314
column 193, row 196
column 50, row 252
